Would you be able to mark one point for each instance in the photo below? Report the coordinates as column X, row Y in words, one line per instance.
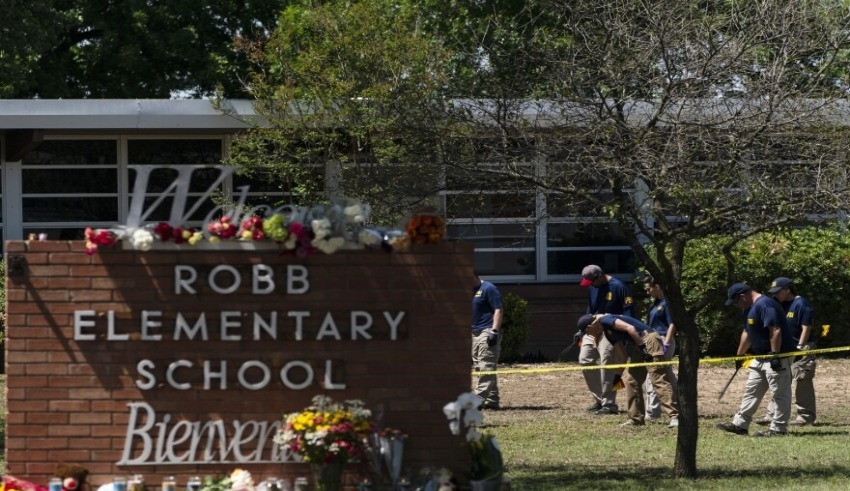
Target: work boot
column 732, row 428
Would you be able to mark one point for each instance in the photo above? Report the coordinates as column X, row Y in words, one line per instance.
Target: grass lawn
column 550, row 442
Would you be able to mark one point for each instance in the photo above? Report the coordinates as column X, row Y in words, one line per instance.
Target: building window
column 67, row 185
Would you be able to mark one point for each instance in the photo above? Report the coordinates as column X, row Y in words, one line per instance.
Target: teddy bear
column 73, row 477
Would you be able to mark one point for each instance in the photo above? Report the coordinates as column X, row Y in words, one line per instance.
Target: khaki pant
column 600, row 382
column 635, row 377
column 653, row 404
column 760, row 378
column 486, row 358
column 802, row 374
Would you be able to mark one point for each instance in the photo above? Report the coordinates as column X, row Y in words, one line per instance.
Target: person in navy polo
column 640, row 344
column 487, row 313
column 765, row 333
column 605, row 295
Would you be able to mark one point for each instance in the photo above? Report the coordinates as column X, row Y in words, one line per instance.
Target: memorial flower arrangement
column 465, row 419
column 327, row 435
column 299, row 230
column 238, row 480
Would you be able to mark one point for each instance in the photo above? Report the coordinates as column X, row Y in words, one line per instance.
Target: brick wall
column 69, row 397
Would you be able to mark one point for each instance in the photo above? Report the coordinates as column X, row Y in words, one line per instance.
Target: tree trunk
column 685, row 464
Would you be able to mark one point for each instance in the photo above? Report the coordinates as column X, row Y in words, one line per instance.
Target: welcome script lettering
column 155, row 439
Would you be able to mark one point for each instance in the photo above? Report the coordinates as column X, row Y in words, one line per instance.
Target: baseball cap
column 589, row 274
column 734, row 291
column 780, row 283
column 584, row 321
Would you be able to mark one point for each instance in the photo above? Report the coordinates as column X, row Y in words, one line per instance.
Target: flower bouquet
column 487, row 465
column 327, row 435
column 426, row 227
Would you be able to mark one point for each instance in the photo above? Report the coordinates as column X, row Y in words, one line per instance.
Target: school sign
column 182, row 361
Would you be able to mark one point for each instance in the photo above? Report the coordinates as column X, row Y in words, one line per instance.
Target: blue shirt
column 766, row 312
column 659, row 318
column 611, row 298
column 799, row 313
column 485, row 300
column 614, row 335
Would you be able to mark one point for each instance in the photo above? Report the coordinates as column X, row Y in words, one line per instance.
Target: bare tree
column 677, row 120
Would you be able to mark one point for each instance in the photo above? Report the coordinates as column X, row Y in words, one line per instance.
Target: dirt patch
column 566, row 390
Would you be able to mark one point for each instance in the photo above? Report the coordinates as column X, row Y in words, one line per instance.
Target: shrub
column 817, row 259
column 514, row 327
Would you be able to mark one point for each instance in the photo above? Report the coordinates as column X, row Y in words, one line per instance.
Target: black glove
column 492, row 338
column 577, row 336
column 646, row 356
column 775, row 363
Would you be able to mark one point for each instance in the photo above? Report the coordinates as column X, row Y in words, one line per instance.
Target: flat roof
column 125, row 114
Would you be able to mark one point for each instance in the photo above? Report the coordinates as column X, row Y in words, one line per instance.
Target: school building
column 64, row 166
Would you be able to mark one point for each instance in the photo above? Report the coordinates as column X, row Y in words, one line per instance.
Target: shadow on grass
column 598, row 478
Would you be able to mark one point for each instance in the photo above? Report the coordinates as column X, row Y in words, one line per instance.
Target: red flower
column 164, row 231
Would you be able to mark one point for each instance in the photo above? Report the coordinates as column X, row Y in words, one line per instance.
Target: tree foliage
column 128, row 49
column 351, row 86
column 676, row 120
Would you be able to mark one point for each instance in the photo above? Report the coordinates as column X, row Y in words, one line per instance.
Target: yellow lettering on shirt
column 609, row 296
column 628, row 301
column 790, row 315
column 478, row 293
column 751, row 321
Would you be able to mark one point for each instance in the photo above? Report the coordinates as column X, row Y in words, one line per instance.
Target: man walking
column 642, row 344
column 606, row 295
column 487, row 316
column 799, row 316
column 765, row 333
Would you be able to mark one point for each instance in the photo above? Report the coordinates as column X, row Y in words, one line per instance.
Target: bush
column 817, row 259
column 514, row 327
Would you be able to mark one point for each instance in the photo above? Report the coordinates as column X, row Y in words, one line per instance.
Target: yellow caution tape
column 747, row 359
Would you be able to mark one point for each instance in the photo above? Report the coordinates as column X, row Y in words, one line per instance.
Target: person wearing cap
column 799, row 316
column 639, row 343
column 487, row 313
column 605, row 295
column 765, row 333
column 659, row 319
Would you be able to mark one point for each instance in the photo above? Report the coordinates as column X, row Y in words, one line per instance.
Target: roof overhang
column 126, row 114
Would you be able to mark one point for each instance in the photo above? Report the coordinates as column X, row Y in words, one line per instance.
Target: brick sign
column 183, row 361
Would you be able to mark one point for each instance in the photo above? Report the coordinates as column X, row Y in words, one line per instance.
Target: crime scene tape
column 572, row 368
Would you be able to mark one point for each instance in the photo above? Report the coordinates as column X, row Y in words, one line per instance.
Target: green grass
column 560, row 452
column 550, row 443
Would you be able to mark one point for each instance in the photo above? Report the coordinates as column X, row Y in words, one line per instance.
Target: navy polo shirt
column 485, row 300
column 659, row 318
column 613, row 297
column 614, row 335
column 798, row 314
column 764, row 313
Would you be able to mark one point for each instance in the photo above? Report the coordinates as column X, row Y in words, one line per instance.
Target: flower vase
column 328, row 477
column 392, row 449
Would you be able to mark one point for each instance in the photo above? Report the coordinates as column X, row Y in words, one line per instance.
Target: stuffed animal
column 73, row 477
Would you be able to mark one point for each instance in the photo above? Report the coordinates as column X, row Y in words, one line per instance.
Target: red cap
column 585, row 282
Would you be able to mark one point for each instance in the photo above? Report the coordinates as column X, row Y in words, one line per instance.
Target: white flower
column 469, row 400
column 369, row 237
column 141, row 239
column 321, row 228
column 354, row 213
column 329, row 246
column 472, row 434
column 241, row 481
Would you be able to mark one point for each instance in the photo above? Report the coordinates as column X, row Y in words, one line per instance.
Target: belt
column 476, row 333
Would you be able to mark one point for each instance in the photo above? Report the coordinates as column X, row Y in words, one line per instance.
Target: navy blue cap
column 735, row 291
column 780, row 283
